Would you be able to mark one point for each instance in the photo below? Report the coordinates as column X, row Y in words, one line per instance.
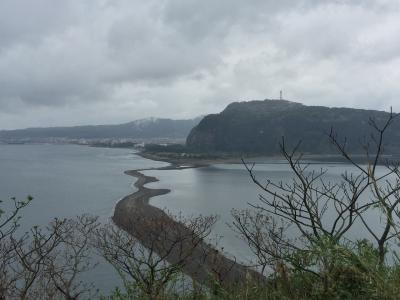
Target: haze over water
column 66, row 181
column 218, row 189
column 69, row 180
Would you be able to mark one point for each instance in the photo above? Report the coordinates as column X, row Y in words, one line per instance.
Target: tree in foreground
column 44, row 263
column 151, row 265
column 302, row 230
column 48, row 263
column 301, row 233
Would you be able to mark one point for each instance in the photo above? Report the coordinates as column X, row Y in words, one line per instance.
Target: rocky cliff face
column 258, row 127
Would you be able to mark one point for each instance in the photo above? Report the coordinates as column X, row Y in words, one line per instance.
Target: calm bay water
column 66, row 181
column 69, row 180
column 218, row 189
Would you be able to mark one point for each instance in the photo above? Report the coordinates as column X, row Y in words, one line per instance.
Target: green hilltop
column 257, row 127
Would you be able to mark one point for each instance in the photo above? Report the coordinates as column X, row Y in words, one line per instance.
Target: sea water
column 220, row 189
column 69, row 180
column 66, row 181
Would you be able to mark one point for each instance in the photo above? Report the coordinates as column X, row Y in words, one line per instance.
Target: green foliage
column 350, row 271
column 257, row 127
column 169, row 148
column 320, row 264
column 340, row 270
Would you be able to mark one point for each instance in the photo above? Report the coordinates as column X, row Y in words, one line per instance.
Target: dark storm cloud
column 111, row 61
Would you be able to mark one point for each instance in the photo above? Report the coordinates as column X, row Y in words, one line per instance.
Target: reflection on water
column 68, row 180
column 219, row 189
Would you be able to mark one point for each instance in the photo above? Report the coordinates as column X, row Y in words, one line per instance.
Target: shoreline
column 273, row 159
column 258, row 159
column 134, row 214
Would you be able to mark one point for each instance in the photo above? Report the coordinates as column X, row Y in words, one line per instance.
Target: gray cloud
column 100, row 61
column 24, row 22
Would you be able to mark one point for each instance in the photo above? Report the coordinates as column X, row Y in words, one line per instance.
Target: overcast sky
column 97, row 61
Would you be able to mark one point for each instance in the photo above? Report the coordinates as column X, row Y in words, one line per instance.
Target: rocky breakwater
column 178, row 243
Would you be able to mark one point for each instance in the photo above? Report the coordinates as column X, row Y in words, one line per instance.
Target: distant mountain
column 258, row 126
column 140, row 129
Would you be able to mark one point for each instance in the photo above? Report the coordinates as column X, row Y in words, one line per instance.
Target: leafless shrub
column 157, row 252
column 44, row 263
column 304, row 203
column 63, row 267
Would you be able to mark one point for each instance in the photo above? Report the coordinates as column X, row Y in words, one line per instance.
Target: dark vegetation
column 320, row 262
column 170, row 148
column 256, row 127
column 111, row 144
column 180, row 152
